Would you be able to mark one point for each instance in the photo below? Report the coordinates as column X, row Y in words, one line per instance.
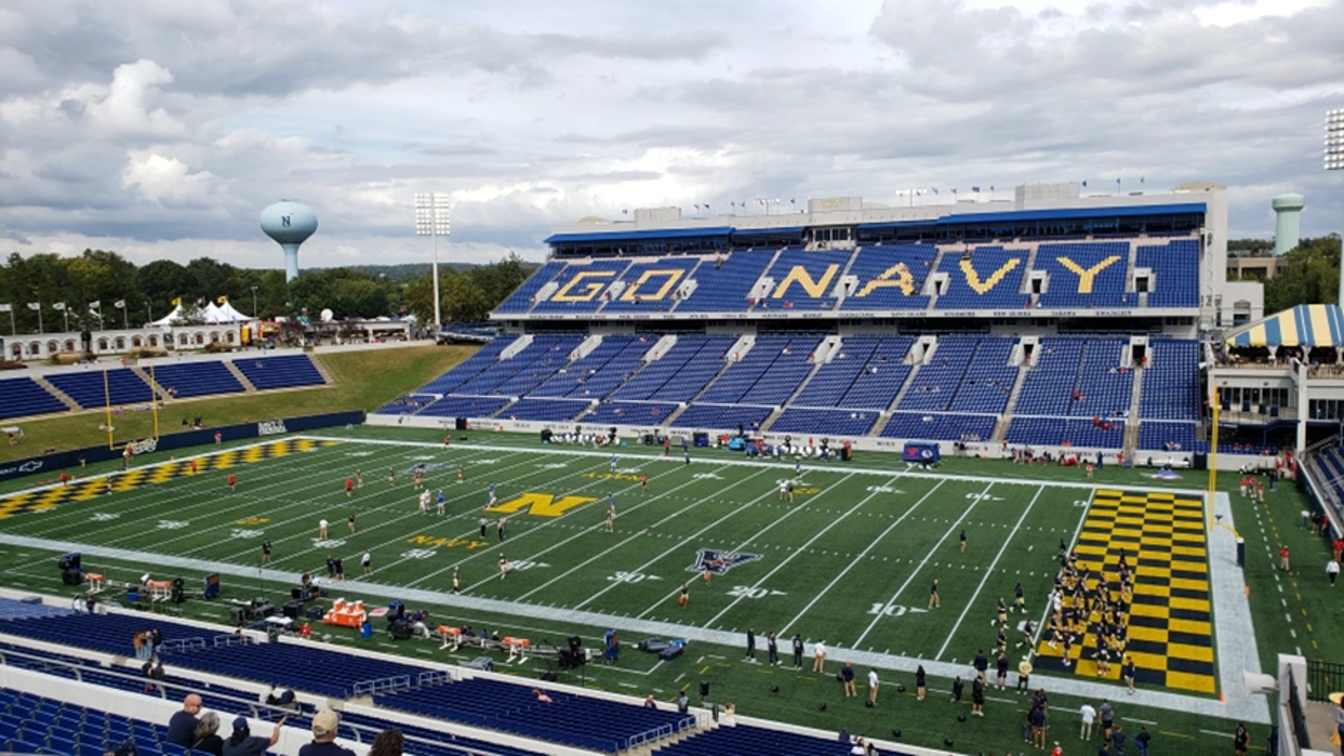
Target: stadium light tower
column 433, row 217
column 1334, row 161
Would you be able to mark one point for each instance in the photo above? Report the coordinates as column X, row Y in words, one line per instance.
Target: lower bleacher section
column 630, row 413
column 188, row 379
column 286, row 371
column 580, row 721
column 824, row 422
column 34, row 724
column 1170, row 436
column 20, row 397
column 725, row 416
column 465, row 406
column 917, row 426
column 746, row 740
column 545, row 409
column 1056, row 431
column 95, row 388
column 596, row 724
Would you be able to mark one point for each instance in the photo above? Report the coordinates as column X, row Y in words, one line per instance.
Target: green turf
column 853, row 545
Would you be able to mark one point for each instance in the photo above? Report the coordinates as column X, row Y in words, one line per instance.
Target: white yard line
column 795, row 552
column 732, row 513
column 920, row 566
column 835, row 467
column 1004, row 547
column 417, row 514
column 144, row 497
column 535, row 528
column 820, row 494
column 1045, row 614
column 396, row 501
column 631, row 537
column 859, row 558
column 1251, row 708
column 272, row 508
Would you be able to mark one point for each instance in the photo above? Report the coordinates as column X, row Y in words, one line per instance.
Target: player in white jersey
column 611, row 514
column 424, row 501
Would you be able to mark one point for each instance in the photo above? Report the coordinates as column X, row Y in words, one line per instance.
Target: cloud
column 163, row 128
column 166, row 180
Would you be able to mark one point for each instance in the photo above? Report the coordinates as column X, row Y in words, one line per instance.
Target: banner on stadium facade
column 50, row 463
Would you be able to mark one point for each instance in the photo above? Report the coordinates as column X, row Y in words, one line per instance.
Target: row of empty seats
column 725, row 382
column 94, row 388
column 1062, row 275
column 575, row 720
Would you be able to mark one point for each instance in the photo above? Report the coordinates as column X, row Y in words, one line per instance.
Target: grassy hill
column 364, row 380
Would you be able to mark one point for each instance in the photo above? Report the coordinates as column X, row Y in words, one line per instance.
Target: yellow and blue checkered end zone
column 1170, row 619
column 83, row 490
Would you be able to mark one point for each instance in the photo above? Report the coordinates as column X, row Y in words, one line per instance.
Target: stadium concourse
column 715, row 403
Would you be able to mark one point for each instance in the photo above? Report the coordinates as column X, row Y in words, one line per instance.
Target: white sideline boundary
column 1238, row 703
column 910, row 471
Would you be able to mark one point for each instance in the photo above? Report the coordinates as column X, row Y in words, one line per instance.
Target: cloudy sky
column 160, row 129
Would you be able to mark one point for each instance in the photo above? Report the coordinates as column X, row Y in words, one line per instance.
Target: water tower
column 1287, row 221
column 290, row 224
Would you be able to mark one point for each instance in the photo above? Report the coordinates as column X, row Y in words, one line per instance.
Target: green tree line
column 467, row 293
column 1307, row 274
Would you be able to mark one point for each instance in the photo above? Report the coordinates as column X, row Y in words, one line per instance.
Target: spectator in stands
column 388, row 743
column 182, row 725
column 325, row 723
column 243, row 743
column 153, row 671
column 541, row 696
column 207, row 735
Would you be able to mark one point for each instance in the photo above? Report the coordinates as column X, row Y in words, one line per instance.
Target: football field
column 849, row 559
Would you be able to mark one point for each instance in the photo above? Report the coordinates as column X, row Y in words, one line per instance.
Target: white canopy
column 211, row 314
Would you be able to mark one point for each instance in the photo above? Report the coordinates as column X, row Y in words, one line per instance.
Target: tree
column 1308, row 274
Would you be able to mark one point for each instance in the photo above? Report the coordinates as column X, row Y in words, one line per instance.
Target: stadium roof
column 1007, row 216
column 1304, row 325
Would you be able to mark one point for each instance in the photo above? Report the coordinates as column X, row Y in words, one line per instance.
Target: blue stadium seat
column 279, row 372
column 1084, row 274
column 186, row 379
column 722, row 285
column 682, row 372
column 824, row 422
column 938, row 426
column 1171, row 381
column 87, row 389
column 20, row 397
column 875, row 266
column 652, row 286
column 1175, row 267
column 582, row 287
column 521, row 299
column 987, row 278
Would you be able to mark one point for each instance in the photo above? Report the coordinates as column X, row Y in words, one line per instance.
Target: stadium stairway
column 248, row 388
column 885, row 415
column 828, row 347
column 50, row 388
column 1006, row 419
column 143, row 375
column 322, row 369
column 1131, row 442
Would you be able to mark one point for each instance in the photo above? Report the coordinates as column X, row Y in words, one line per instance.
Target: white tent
column 227, row 314
column 170, row 319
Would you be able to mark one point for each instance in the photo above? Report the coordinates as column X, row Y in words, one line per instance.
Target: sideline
column 1238, row 703
column 910, row 471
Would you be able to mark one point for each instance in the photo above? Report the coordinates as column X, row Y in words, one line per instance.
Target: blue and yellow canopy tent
column 1315, row 325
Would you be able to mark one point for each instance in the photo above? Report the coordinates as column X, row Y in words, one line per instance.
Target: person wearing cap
column 243, row 743
column 324, row 737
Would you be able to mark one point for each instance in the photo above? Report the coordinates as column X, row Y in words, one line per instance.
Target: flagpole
column 107, row 409
column 154, row 401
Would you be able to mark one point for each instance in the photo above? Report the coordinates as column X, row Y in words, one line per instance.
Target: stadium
column 724, row 463
column 925, row 378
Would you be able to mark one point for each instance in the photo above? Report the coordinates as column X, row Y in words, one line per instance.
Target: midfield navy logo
column 717, row 562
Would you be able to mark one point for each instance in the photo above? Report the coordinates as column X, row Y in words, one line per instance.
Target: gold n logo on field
column 541, row 504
